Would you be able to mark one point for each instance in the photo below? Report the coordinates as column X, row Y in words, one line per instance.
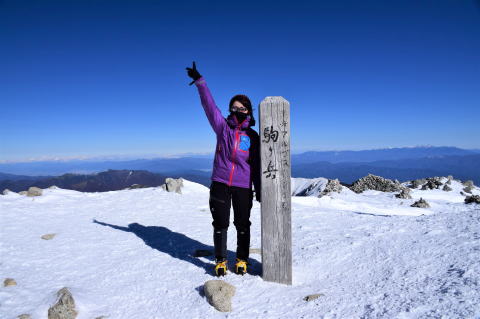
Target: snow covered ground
column 128, row 254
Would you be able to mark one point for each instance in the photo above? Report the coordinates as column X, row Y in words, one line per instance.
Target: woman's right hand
column 193, row 73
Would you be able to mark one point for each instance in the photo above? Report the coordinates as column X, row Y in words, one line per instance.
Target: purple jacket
column 237, row 155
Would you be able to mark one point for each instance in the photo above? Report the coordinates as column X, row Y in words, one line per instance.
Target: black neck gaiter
column 240, row 116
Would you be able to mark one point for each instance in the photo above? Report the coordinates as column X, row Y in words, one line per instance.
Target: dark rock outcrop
column 472, row 199
column 375, row 182
column 421, row 203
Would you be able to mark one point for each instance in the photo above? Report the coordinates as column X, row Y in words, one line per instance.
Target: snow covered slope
column 128, row 254
column 308, row 186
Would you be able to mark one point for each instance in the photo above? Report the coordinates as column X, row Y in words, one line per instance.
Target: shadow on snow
column 178, row 245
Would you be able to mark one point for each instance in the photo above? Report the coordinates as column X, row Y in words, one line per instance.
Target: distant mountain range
column 386, row 154
column 461, row 167
column 395, row 163
column 104, row 181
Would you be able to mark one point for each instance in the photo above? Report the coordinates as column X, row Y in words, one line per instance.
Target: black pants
column 221, row 196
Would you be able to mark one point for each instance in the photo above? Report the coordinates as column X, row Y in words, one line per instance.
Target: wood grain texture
column 276, row 196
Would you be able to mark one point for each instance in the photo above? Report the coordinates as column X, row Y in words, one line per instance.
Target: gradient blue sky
column 98, row 78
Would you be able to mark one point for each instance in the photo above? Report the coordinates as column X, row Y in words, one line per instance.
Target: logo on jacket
column 244, row 142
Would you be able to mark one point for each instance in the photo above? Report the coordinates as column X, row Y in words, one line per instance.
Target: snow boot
column 221, row 267
column 220, row 243
column 241, row 267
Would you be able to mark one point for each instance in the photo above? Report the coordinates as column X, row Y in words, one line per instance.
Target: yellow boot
column 221, row 268
column 241, row 267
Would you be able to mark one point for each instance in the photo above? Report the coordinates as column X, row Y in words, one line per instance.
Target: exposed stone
column 135, row 186
column 448, row 182
column 219, row 294
column 432, row 183
column 421, row 203
column 64, row 308
column 404, row 193
column 48, row 236
column 468, row 183
column 23, row 193
column 6, row 191
column 312, row 297
column 333, row 185
column 417, row 182
column 202, row 253
column 472, row 199
column 375, row 183
column 34, row 191
column 446, row 187
column 24, row 316
column 255, row 251
column 173, row 185
column 53, row 187
column 468, row 189
column 9, row 282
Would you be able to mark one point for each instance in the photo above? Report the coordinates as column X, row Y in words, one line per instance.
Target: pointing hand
column 193, row 73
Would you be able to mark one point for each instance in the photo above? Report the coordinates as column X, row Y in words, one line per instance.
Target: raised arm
column 211, row 110
column 215, row 117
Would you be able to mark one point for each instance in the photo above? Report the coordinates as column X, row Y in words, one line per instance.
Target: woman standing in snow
column 235, row 167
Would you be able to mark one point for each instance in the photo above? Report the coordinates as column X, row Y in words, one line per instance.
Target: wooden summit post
column 276, row 194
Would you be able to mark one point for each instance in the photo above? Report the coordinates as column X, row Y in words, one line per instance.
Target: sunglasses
column 238, row 108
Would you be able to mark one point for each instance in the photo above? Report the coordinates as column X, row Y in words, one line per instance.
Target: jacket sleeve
column 217, row 121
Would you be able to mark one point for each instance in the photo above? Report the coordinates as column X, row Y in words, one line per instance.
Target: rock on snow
column 130, row 254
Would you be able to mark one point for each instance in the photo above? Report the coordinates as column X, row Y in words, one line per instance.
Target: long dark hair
column 246, row 102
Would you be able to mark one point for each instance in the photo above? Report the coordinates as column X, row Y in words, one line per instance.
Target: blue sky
column 98, row 78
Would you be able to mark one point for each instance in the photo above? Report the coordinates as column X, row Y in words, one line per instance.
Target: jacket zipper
column 233, row 157
column 234, row 152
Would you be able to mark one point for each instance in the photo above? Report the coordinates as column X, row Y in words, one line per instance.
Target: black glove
column 193, row 73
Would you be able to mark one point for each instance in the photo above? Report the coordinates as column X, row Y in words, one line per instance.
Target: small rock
column 173, row 185
column 421, row 203
column 64, row 308
column 417, row 182
column 432, row 183
column 255, row 251
column 219, row 294
column 23, row 193
column 135, row 186
column 472, row 199
column 9, row 282
column 312, row 297
column 24, row 316
column 468, row 183
column 468, row 189
column 6, row 191
column 462, row 193
column 202, row 253
column 446, row 188
column 53, row 187
column 48, row 236
column 333, row 185
column 34, row 191
column 404, row 193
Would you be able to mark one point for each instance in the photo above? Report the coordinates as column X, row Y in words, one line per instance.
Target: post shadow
column 177, row 245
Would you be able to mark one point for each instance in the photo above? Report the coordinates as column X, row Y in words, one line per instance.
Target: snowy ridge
column 128, row 254
column 308, row 186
